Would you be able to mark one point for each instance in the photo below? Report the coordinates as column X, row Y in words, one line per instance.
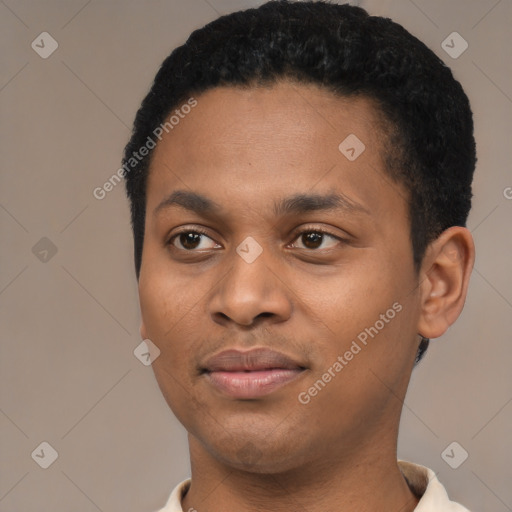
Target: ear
column 444, row 280
column 142, row 330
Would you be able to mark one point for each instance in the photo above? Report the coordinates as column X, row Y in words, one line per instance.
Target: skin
column 246, row 149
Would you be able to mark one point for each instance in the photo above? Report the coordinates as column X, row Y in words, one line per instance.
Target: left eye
column 314, row 239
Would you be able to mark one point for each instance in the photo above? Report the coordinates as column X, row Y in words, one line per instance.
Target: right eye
column 191, row 240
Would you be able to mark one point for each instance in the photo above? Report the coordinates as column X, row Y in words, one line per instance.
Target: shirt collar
column 422, row 481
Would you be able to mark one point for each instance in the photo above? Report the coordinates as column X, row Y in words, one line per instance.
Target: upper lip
column 234, row 360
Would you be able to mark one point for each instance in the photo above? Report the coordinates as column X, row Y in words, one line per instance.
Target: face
column 277, row 277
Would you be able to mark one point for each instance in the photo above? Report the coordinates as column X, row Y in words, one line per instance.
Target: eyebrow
column 296, row 204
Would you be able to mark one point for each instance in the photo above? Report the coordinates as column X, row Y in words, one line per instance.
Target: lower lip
column 251, row 384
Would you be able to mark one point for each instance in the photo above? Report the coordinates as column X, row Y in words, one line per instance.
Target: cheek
column 164, row 295
column 164, row 316
column 352, row 299
column 174, row 315
column 168, row 318
column 368, row 313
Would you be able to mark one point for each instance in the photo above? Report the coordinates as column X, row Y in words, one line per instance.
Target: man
column 300, row 178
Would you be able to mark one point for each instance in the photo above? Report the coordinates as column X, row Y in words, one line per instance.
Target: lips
column 250, row 374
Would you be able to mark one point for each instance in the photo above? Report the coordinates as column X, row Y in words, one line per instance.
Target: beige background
column 70, row 324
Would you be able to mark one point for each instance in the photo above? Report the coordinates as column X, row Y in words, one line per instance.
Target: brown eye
column 313, row 239
column 191, row 240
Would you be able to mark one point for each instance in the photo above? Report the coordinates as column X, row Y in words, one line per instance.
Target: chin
column 254, row 455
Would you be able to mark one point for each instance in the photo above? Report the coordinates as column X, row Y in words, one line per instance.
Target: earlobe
column 444, row 280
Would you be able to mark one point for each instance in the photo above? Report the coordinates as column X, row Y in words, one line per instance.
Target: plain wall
column 70, row 324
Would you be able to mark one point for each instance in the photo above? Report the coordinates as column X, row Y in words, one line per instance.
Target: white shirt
column 421, row 480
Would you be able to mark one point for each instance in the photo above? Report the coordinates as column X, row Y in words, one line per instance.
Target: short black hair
column 424, row 111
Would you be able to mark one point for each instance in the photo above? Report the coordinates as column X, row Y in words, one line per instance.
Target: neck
column 366, row 480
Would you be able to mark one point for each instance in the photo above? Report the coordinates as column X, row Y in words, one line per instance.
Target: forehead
column 270, row 141
column 287, row 114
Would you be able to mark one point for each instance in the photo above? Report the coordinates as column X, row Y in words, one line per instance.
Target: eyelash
column 308, row 229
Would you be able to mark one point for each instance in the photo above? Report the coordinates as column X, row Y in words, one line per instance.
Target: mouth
column 250, row 374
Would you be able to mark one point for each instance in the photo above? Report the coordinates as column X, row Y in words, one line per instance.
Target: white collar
column 421, row 480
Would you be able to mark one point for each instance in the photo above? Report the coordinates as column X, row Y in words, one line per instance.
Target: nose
column 251, row 292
